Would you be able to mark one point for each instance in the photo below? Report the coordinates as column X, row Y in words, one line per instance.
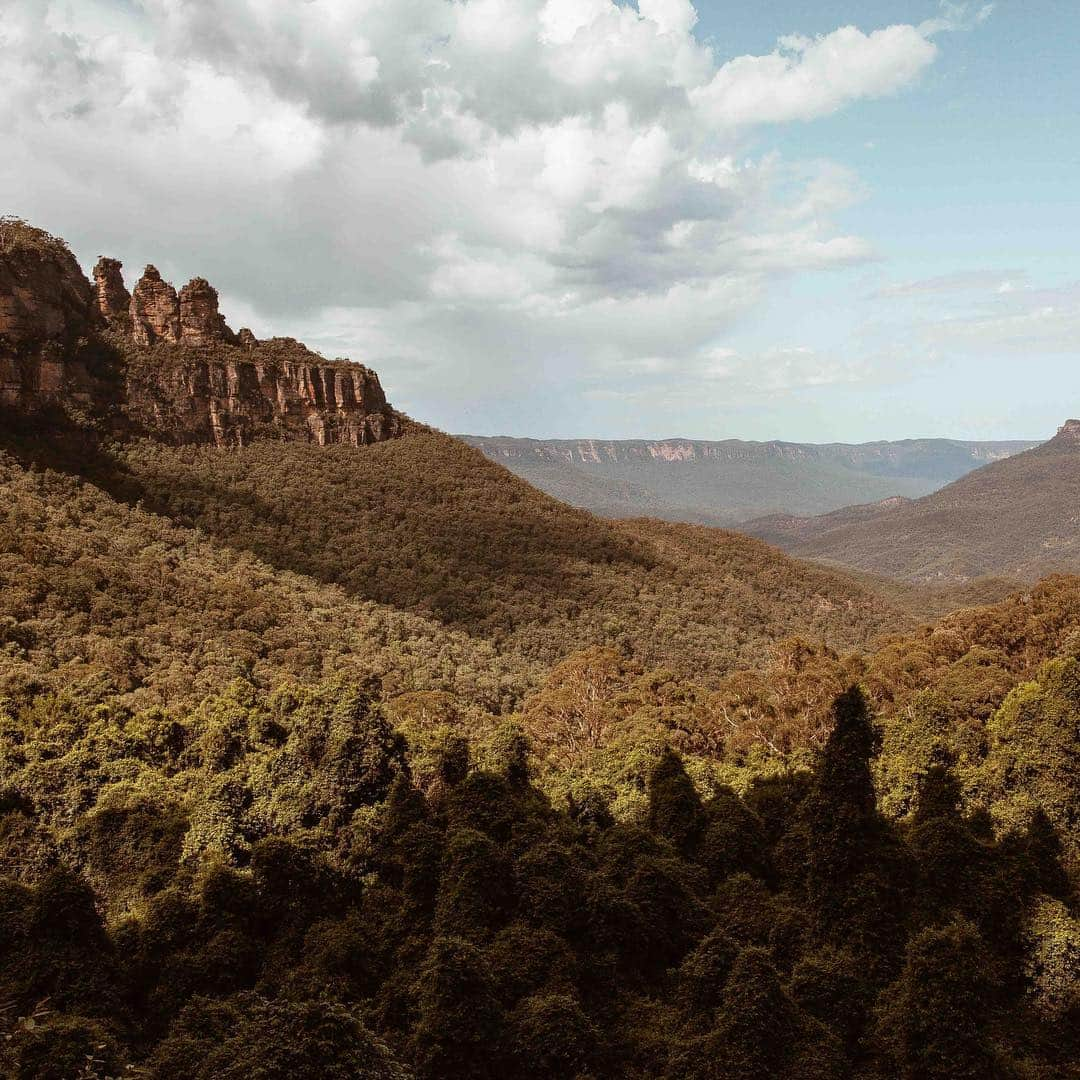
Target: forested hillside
column 1015, row 518
column 427, row 524
column 260, row 818
column 330, row 748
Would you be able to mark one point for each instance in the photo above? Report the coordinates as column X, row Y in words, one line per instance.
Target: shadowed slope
column 427, row 524
column 1016, row 518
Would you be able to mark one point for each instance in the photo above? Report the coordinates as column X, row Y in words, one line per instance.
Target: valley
column 330, row 746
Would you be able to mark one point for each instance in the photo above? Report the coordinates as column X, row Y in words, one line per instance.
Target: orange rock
column 200, row 322
column 203, row 383
column 155, row 310
column 113, row 299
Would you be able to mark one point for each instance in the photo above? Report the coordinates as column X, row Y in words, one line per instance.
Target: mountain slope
column 141, row 393
column 721, row 483
column 1017, row 518
column 98, row 598
column 429, row 525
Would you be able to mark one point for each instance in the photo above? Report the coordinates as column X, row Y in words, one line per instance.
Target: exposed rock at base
column 113, row 299
column 163, row 364
column 155, row 310
column 274, row 388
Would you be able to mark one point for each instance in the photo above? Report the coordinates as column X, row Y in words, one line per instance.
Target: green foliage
column 248, row 1038
column 527, row 817
column 552, row 1036
column 256, row 886
column 451, row 537
column 1033, row 762
column 937, row 1020
column 460, row 1024
column 675, row 810
column 759, row 1033
column 1053, row 964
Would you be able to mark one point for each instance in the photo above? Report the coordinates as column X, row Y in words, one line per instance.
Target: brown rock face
column 275, row 388
column 113, row 299
column 200, row 322
column 155, row 310
column 1068, row 434
column 44, row 296
column 208, row 386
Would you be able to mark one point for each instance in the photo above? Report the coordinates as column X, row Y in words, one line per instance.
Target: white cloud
column 474, row 196
column 1015, row 318
column 805, row 79
column 962, row 281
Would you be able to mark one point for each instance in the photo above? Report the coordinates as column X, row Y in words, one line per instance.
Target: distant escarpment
column 163, row 363
column 731, row 481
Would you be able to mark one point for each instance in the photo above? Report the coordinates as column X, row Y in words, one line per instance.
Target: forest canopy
column 379, row 764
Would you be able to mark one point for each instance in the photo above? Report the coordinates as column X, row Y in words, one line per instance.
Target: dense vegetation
column 1015, row 518
column 103, row 599
column 428, row 524
column 258, row 888
column 377, row 763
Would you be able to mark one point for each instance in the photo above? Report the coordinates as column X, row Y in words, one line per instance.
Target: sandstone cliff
column 164, row 363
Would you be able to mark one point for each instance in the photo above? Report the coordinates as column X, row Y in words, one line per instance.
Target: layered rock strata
column 165, row 363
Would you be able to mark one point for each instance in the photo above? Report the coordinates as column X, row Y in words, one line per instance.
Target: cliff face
column 164, row 363
column 231, row 395
column 44, row 297
column 882, row 457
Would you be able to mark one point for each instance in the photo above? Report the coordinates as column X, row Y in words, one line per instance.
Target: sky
column 815, row 221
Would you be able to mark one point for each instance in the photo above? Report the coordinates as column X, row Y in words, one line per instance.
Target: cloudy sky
column 825, row 220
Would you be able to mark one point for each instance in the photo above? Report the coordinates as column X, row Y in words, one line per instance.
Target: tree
column 459, row 1031
column 760, row 1033
column 675, row 810
column 936, row 1021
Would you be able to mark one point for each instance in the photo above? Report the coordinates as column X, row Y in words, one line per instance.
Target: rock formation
column 275, row 388
column 155, row 310
column 164, row 364
column 200, row 321
column 43, row 294
column 1068, row 434
column 113, row 299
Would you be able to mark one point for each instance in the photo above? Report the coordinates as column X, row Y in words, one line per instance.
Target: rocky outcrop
column 155, row 310
column 113, row 299
column 162, row 363
column 200, row 321
column 44, row 297
column 1068, row 435
column 274, row 388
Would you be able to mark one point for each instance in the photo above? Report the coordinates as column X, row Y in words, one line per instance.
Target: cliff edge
column 164, row 363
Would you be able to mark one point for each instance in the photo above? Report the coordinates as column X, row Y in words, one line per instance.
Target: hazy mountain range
column 730, row 481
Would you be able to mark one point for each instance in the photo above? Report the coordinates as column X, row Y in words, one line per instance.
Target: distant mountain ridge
column 1018, row 518
column 728, row 481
